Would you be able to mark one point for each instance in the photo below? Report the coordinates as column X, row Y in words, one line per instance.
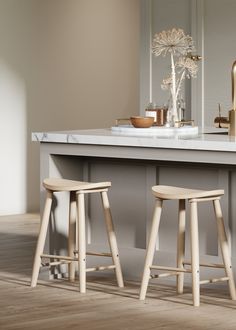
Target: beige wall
column 16, row 36
column 79, row 64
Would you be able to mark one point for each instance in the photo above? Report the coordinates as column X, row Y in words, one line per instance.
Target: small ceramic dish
column 142, row 122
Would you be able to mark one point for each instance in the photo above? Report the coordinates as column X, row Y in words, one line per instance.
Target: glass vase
column 172, row 113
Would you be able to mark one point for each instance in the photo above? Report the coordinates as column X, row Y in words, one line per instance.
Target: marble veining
column 209, row 139
column 160, row 131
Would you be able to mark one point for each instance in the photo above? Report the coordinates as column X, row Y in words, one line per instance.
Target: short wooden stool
column 193, row 196
column 77, row 190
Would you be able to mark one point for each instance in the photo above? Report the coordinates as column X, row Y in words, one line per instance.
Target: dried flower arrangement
column 176, row 43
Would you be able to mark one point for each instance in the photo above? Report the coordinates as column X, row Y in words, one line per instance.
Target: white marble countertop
column 213, row 139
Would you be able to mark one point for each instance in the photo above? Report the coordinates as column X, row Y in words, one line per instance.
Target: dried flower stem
column 180, row 83
column 175, row 43
column 173, row 88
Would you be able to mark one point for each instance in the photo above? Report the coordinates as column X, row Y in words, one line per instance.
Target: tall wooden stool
column 77, row 190
column 193, row 196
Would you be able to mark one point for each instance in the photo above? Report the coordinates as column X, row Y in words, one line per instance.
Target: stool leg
column 82, row 242
column 112, row 238
column 195, row 254
column 224, row 247
column 71, row 234
column 181, row 245
column 41, row 239
column 151, row 248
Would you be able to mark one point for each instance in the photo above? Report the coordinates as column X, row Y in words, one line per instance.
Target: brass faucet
column 229, row 122
column 220, row 121
column 234, row 85
column 232, row 113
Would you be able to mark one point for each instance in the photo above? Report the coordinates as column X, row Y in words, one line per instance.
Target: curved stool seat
column 193, row 196
column 169, row 192
column 56, row 184
column 76, row 227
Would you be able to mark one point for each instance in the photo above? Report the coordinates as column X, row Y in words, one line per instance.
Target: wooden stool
column 193, row 196
column 77, row 191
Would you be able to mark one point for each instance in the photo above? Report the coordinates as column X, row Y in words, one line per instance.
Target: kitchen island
column 134, row 163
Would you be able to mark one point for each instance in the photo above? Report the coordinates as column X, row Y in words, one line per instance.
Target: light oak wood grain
column 57, row 304
column 76, row 230
column 193, row 196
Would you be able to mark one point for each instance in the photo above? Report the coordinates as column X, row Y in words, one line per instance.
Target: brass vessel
column 232, row 113
column 230, row 122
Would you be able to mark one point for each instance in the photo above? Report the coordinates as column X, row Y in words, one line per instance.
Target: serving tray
column 156, row 130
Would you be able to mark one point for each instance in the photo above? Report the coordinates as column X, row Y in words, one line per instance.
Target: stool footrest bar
column 170, row 269
column 214, row 280
column 98, row 254
column 163, row 275
column 53, row 256
column 55, row 263
column 97, row 268
column 206, row 265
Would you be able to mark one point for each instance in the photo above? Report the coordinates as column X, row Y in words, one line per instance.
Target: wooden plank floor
column 57, row 304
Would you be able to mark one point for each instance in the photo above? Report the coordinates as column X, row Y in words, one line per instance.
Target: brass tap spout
column 221, row 122
column 232, row 113
column 234, row 85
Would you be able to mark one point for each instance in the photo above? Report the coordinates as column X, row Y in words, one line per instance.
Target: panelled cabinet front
column 132, row 205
